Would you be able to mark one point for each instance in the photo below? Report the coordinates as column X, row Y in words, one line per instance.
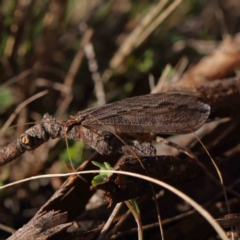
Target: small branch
column 109, row 221
column 129, row 44
column 93, row 67
column 156, row 23
column 73, row 71
column 19, row 108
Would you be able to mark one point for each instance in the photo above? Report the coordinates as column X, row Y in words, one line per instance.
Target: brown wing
column 166, row 113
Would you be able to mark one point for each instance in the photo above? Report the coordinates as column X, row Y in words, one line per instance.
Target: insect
column 162, row 113
column 135, row 119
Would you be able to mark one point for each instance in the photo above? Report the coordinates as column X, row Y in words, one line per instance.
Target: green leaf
column 102, row 177
column 98, row 180
column 107, row 166
column 102, row 166
column 98, row 164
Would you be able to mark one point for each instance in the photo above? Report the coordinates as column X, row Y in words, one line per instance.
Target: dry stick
column 190, row 154
column 162, row 79
column 73, row 71
column 42, row 82
column 153, row 225
column 118, row 225
column 17, row 78
column 156, row 22
column 109, row 221
column 129, row 44
column 21, row 120
column 151, row 82
column 93, row 67
column 183, row 62
column 174, row 145
column 7, row 229
column 18, row 109
column 30, row 71
column 194, row 204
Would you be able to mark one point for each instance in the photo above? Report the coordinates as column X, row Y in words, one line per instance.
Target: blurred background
column 86, row 54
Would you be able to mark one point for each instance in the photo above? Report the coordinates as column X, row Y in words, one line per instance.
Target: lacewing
column 138, row 118
column 160, row 113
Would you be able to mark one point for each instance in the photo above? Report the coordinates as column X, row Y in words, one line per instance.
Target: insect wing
column 162, row 113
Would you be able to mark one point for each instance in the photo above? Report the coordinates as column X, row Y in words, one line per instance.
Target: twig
column 73, row 71
column 42, row 82
column 130, row 43
column 154, row 225
column 151, row 82
column 93, row 67
column 162, row 79
column 19, row 108
column 181, row 66
column 31, row 71
column 17, row 78
column 156, row 22
column 109, row 221
column 118, row 225
column 7, row 229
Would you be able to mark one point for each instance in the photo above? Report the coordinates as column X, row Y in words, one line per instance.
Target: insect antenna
column 216, row 167
column 219, row 175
